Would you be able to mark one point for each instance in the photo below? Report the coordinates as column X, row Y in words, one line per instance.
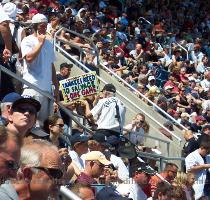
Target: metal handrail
column 80, row 35
column 68, row 112
column 145, row 20
column 143, row 96
column 119, row 78
column 68, row 193
column 183, row 49
column 127, row 99
column 151, row 137
column 159, row 158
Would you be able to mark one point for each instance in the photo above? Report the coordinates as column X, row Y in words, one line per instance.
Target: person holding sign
column 109, row 112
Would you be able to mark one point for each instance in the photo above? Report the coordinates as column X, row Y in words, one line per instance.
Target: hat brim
column 39, row 132
column 30, row 101
column 104, row 161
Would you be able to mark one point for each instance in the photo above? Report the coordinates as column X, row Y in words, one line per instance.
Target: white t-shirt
column 122, row 170
column 192, row 160
column 133, row 190
column 105, row 113
column 77, row 160
column 39, row 71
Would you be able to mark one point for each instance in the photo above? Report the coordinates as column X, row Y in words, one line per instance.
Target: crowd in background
column 143, row 42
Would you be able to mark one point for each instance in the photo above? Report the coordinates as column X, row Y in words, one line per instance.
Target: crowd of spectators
column 148, row 55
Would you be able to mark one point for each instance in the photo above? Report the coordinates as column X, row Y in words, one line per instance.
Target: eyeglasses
column 23, row 109
column 99, row 164
column 52, row 172
column 60, row 125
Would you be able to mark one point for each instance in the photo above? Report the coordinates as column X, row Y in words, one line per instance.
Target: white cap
column 39, row 18
column 151, row 78
column 168, row 87
column 3, row 16
column 11, row 10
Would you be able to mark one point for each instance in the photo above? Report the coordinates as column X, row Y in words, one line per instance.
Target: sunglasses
column 12, row 165
column 52, row 172
column 60, row 125
column 23, row 109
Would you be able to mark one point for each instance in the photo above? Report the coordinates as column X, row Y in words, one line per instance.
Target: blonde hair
column 180, row 179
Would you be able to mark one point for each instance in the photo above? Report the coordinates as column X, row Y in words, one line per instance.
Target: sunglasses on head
column 12, row 165
column 23, row 109
column 52, row 172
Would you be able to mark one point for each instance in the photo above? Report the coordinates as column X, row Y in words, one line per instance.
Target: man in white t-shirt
column 109, row 112
column 133, row 188
column 198, row 162
column 38, row 67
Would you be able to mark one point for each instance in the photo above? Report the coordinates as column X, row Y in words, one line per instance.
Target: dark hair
column 76, row 187
column 205, row 142
column 162, row 188
column 169, row 165
column 51, row 120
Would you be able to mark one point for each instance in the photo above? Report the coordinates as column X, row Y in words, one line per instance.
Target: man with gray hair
column 10, row 144
column 39, row 172
column 6, row 105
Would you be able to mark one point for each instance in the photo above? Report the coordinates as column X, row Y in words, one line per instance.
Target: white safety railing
column 119, row 93
column 119, row 78
column 187, row 53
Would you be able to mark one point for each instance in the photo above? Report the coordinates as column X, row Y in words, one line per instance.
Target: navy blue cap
column 28, row 100
column 78, row 138
column 113, row 140
column 109, row 193
column 100, row 138
column 11, row 97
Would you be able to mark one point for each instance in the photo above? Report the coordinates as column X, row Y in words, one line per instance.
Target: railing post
column 161, row 164
column 168, row 148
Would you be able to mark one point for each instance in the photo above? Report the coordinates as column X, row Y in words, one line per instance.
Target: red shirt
column 86, row 179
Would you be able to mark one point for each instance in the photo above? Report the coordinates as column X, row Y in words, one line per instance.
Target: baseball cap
column 3, row 16
column 185, row 114
column 100, row 138
column 168, row 87
column 78, row 138
column 10, row 9
column 33, row 11
column 97, row 155
column 109, row 87
column 28, row 100
column 66, row 65
column 200, row 118
column 37, row 131
column 143, row 167
column 39, row 18
column 109, row 193
column 11, row 97
column 151, row 78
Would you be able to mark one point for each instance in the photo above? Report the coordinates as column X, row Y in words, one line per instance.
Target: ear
column 27, row 174
column 50, row 127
